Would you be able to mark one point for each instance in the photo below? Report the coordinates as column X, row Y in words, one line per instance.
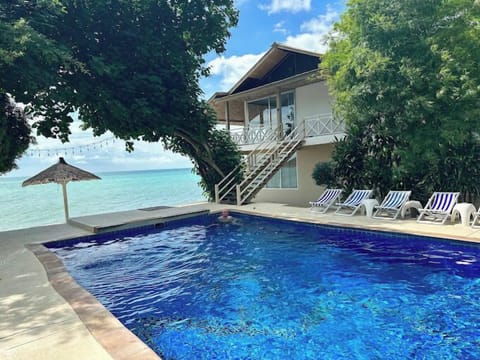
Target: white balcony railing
column 323, row 124
column 251, row 135
column 317, row 125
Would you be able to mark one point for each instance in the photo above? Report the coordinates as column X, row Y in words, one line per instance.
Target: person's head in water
column 225, row 216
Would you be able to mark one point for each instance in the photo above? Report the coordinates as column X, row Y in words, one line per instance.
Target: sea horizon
column 5, row 176
column 38, row 205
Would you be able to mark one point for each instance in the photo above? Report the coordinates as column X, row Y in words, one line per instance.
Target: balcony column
column 279, row 114
column 246, row 122
column 227, row 114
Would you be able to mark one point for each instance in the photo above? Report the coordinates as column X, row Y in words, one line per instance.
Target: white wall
column 306, row 191
column 312, row 100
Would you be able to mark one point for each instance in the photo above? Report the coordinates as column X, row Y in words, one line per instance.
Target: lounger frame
column 476, row 220
column 325, row 201
column 439, row 208
column 353, row 203
column 392, row 205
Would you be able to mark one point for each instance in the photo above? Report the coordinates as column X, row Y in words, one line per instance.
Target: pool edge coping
column 116, row 339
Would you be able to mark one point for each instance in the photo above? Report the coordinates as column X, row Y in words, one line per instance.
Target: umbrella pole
column 65, row 200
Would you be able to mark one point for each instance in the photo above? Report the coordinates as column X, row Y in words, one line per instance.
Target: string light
column 79, row 149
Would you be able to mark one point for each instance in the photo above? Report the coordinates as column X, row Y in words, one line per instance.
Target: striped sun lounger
column 325, row 201
column 392, row 205
column 439, row 208
column 353, row 203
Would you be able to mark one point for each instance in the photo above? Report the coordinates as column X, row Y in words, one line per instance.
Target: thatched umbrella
column 61, row 173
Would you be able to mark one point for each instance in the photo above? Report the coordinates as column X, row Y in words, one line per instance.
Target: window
column 263, row 112
column 286, row 177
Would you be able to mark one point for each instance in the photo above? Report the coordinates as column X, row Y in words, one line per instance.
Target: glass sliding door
column 288, row 111
column 263, row 112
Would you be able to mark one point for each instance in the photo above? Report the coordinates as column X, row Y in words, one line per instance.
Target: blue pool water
column 269, row 289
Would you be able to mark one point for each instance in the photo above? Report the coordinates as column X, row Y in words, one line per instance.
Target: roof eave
column 304, row 76
column 275, row 46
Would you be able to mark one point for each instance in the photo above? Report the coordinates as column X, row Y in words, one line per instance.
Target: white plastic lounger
column 325, row 201
column 392, row 205
column 476, row 220
column 354, row 202
column 439, row 208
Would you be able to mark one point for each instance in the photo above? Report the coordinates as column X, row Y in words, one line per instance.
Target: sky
column 298, row 23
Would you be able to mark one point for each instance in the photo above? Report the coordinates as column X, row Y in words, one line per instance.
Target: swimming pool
column 273, row 289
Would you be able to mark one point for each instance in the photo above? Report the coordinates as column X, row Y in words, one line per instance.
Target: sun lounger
column 439, row 208
column 325, row 201
column 354, row 202
column 392, row 205
column 476, row 219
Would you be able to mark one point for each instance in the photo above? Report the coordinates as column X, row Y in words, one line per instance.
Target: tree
column 323, row 174
column 136, row 74
column 408, row 72
column 14, row 133
column 224, row 151
column 364, row 158
column 29, row 63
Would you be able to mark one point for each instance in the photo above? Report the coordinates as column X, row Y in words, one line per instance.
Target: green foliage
column 459, row 170
column 129, row 67
column 29, row 59
column 348, row 157
column 323, row 174
column 142, row 63
column 406, row 78
column 29, row 64
column 14, row 133
column 366, row 158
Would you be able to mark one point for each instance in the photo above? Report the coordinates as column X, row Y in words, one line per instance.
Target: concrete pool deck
column 39, row 320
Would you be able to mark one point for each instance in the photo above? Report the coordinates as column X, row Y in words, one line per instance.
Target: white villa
column 279, row 113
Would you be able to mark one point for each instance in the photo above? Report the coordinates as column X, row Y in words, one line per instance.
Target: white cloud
column 228, row 70
column 314, row 31
column 109, row 157
column 239, row 3
column 322, row 23
column 292, row 6
column 280, row 27
column 232, row 68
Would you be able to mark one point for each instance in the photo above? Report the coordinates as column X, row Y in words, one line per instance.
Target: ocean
column 22, row 207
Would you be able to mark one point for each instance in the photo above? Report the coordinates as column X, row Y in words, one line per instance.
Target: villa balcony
column 321, row 128
column 323, row 124
column 251, row 135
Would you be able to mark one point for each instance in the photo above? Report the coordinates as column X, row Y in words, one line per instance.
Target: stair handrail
column 270, row 169
column 295, row 137
column 223, row 185
column 267, row 143
column 258, row 155
column 271, row 136
column 297, row 130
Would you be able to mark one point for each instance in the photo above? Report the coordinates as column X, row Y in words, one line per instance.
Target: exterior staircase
column 259, row 167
